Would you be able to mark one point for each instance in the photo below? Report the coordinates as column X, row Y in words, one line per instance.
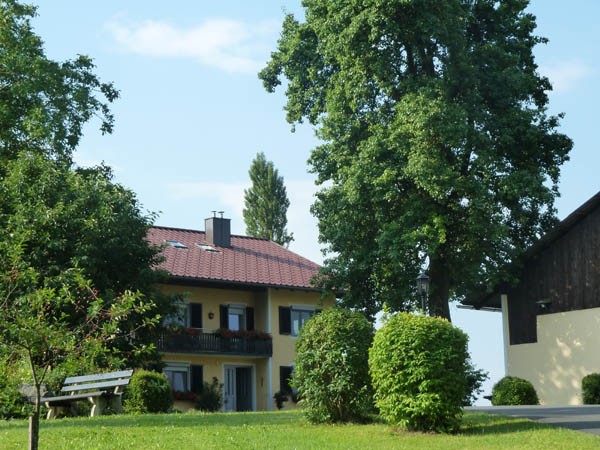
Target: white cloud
column 231, row 197
column 225, row 44
column 565, row 76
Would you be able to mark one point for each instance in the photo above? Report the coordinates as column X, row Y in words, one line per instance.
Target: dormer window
column 207, row 248
column 175, row 244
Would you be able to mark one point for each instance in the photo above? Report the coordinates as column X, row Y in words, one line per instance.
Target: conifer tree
column 266, row 203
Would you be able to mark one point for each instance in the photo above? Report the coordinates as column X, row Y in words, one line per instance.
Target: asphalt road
column 580, row 418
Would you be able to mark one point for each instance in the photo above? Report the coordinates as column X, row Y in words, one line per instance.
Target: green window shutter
column 196, row 315
column 285, row 320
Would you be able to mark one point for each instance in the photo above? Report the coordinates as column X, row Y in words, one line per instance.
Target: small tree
column 332, row 373
column 419, row 370
column 36, row 321
column 266, row 203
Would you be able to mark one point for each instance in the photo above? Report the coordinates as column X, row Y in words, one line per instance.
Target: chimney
column 218, row 230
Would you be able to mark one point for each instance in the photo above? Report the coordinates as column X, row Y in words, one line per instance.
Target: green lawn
column 281, row 430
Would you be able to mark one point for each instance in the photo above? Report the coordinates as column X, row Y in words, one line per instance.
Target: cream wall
column 568, row 348
column 284, row 351
column 211, row 299
column 266, row 318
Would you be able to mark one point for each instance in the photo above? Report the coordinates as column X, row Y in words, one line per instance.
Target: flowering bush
column 185, row 395
column 244, row 334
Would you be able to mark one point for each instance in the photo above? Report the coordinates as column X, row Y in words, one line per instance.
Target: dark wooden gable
column 561, row 273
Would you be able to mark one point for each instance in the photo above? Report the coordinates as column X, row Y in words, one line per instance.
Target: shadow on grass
column 482, row 424
column 183, row 420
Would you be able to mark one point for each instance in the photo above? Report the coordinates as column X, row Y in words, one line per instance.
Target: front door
column 229, row 386
column 237, row 389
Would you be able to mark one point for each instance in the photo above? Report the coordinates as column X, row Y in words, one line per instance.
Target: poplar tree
column 266, row 203
column 437, row 147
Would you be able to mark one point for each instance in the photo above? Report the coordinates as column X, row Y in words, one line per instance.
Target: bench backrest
column 98, row 381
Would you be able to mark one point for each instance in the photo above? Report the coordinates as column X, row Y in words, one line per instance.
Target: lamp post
column 423, row 289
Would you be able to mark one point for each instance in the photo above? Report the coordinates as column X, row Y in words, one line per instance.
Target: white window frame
column 300, row 309
column 181, row 317
column 179, row 367
column 242, row 322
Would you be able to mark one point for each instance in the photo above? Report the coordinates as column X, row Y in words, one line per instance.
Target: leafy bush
column 419, row 370
column 514, row 391
column 280, row 397
column 13, row 404
column 211, row 397
column 331, row 372
column 590, row 388
column 148, row 392
column 475, row 379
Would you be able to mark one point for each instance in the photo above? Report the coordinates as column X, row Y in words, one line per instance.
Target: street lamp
column 423, row 288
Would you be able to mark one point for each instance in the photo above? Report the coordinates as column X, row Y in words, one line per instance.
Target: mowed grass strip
column 282, row 430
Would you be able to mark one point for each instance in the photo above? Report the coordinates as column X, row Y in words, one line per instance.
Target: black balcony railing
column 210, row 343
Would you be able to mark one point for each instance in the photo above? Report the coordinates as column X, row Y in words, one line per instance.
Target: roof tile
column 248, row 260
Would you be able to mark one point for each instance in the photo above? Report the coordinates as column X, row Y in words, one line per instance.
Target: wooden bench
column 101, row 390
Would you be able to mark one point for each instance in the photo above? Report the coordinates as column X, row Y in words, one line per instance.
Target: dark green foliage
column 280, row 398
column 475, row 379
column 13, row 404
column 266, row 203
column 436, row 141
column 331, row 372
column 590, row 389
column 45, row 103
column 514, row 391
column 79, row 218
column 148, row 392
column 211, row 397
column 419, row 369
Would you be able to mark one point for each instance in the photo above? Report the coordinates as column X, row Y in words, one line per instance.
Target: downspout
column 505, row 329
column 270, row 360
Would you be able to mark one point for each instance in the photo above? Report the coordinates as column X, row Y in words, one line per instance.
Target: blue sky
column 193, row 113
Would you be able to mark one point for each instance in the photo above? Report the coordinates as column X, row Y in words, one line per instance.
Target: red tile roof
column 248, row 261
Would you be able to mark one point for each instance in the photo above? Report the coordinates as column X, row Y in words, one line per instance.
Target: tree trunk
column 439, row 291
column 34, row 421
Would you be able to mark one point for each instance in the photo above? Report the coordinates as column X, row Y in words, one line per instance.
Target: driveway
column 580, row 418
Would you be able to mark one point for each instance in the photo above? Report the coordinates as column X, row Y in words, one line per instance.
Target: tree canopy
column 437, row 146
column 44, row 103
column 266, row 203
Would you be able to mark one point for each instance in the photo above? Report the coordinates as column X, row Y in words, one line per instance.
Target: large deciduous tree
column 266, row 203
column 437, row 146
column 44, row 103
column 80, row 219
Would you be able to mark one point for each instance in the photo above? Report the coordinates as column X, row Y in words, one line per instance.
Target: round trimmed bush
column 332, row 367
column 148, row 392
column 419, row 371
column 514, row 391
column 590, row 388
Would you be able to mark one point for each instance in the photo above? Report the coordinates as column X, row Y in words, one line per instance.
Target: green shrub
column 211, row 397
column 590, row 389
column 331, row 371
column 148, row 392
column 13, row 404
column 419, row 370
column 475, row 379
column 514, row 391
column 280, row 397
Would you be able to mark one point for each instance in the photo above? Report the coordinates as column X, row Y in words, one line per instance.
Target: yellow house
column 245, row 301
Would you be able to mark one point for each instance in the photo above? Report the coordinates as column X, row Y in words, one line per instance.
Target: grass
column 282, row 430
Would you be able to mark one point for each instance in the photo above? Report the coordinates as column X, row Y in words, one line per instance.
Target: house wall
column 566, row 350
column 266, row 305
column 284, row 351
column 566, row 273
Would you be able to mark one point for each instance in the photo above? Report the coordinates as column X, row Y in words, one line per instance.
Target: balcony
column 221, row 342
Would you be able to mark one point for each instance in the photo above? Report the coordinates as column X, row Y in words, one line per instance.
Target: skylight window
column 207, row 248
column 175, row 244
